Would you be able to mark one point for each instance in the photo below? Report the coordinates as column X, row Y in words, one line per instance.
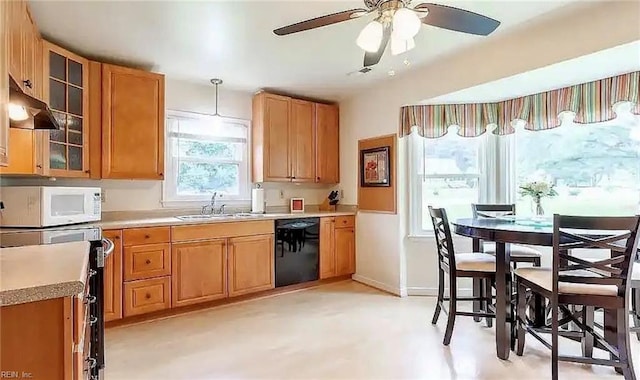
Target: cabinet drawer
column 345, row 221
column 145, row 296
column 222, row 230
column 152, row 235
column 147, row 261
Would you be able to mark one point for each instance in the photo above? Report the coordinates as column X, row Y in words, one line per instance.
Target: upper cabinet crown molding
column 294, row 140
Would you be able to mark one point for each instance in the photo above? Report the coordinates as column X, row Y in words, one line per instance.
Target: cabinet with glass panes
column 66, row 81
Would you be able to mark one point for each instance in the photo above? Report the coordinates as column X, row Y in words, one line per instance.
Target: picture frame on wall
column 375, row 167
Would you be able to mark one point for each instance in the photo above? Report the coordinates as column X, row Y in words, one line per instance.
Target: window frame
column 169, row 185
column 415, row 148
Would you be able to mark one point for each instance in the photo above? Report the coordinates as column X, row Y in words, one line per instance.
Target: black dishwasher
column 297, row 250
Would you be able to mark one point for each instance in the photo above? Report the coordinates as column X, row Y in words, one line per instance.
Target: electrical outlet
column 103, row 196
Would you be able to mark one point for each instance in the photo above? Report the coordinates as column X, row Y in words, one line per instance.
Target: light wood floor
column 339, row 331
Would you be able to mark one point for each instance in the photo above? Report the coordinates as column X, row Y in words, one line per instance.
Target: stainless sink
column 202, row 217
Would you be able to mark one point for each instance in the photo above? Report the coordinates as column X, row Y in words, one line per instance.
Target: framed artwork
column 375, row 167
column 297, row 205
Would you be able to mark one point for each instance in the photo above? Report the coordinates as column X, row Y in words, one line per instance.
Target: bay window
column 595, row 168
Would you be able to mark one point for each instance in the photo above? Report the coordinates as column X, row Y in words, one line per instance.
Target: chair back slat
column 618, row 235
column 444, row 242
column 492, row 211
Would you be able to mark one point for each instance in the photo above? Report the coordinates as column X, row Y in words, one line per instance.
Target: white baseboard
column 401, row 292
column 433, row 292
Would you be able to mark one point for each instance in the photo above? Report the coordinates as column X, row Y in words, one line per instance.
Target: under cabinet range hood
column 27, row 112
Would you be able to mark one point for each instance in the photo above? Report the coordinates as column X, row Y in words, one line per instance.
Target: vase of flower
column 538, row 190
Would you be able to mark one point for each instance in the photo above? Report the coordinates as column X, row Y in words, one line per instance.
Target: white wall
column 129, row 195
column 385, row 257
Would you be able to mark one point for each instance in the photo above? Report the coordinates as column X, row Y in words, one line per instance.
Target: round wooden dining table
column 504, row 232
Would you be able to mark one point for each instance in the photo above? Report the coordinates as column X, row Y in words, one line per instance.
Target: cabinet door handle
column 90, row 300
column 27, row 83
column 148, row 262
column 147, row 296
column 147, row 236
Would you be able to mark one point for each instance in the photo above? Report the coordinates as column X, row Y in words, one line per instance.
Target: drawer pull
column 148, row 262
column 92, row 272
column 147, row 296
column 147, row 236
column 90, row 300
column 93, row 320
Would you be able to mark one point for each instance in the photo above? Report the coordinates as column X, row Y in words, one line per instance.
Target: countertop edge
column 173, row 221
column 41, row 293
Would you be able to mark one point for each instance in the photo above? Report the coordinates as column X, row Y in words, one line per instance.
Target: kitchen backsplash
column 128, row 195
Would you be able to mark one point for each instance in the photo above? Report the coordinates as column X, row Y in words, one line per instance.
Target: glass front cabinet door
column 66, row 89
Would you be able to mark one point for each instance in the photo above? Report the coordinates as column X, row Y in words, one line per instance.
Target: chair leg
column 488, row 292
column 521, row 307
column 453, row 301
column 624, row 345
column 635, row 312
column 554, row 339
column 436, row 314
column 587, row 341
column 477, row 291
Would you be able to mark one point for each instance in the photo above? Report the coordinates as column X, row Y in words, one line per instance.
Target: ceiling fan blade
column 457, row 19
column 371, row 59
column 320, row 21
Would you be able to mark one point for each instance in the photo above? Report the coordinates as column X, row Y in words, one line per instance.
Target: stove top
column 20, row 237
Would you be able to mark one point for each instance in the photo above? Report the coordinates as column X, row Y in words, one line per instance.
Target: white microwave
column 48, row 206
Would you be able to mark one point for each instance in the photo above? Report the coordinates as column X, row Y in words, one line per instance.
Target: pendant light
column 217, row 118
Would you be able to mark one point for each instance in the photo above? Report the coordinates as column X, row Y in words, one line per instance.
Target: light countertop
column 141, row 221
column 41, row 272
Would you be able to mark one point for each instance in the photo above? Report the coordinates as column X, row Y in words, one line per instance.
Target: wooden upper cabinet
column 29, row 36
column 327, row 141
column 294, row 140
column 28, row 153
column 303, row 141
column 4, row 82
column 66, row 90
column 113, row 278
column 271, row 135
column 251, row 264
column 17, row 10
column 199, row 272
column 132, row 123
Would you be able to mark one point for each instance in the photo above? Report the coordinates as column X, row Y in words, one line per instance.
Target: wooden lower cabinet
column 146, row 296
column 199, row 272
column 113, row 278
column 345, row 250
column 337, row 246
column 327, row 248
column 251, row 264
column 41, row 340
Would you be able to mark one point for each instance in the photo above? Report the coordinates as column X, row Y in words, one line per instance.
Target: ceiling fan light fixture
column 370, row 37
column 399, row 46
column 406, row 23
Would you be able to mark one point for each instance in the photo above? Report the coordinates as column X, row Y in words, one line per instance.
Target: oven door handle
column 109, row 247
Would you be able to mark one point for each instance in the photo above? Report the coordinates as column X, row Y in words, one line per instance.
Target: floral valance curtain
column 591, row 102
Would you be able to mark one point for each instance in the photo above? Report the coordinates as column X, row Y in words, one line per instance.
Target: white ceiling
column 233, row 40
column 603, row 64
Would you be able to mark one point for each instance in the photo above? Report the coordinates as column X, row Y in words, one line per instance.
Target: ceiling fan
column 397, row 22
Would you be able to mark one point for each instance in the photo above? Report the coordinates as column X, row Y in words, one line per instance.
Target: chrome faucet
column 212, row 206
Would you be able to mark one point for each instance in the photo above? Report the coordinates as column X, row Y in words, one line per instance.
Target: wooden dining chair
column 591, row 284
column 635, row 298
column 475, row 265
column 519, row 253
